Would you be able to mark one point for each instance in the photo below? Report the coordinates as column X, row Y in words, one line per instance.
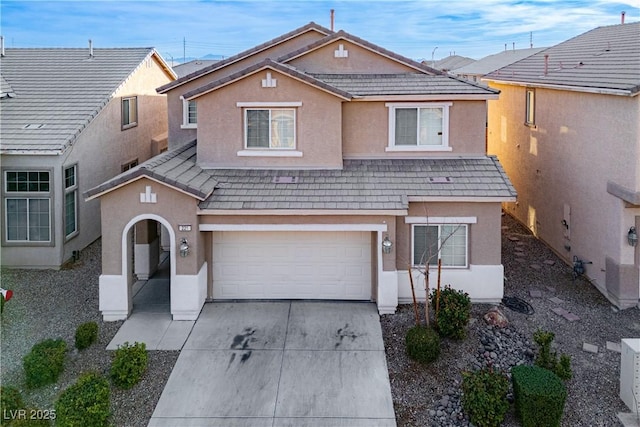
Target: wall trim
column 293, row 227
column 441, row 220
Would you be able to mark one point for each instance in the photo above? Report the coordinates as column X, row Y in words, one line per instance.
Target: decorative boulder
column 496, row 317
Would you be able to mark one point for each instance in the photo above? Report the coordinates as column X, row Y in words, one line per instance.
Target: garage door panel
column 292, row 265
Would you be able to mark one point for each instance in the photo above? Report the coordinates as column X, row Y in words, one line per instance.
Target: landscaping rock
column 495, row 317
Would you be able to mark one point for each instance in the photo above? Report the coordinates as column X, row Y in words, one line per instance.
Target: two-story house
column 313, row 166
column 567, row 129
column 71, row 119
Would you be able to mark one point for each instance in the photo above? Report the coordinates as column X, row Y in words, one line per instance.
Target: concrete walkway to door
column 280, row 364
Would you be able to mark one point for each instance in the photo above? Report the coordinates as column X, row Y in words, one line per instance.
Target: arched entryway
column 149, row 269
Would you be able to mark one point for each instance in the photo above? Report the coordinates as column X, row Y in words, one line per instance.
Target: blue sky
column 417, row 29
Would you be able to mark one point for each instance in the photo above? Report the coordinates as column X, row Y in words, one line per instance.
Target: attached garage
column 335, row 265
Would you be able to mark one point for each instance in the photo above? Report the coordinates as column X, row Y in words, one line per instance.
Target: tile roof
column 493, row 62
column 605, row 59
column 449, row 63
column 403, row 84
column 176, row 168
column 58, row 91
column 187, row 68
column 360, row 185
column 311, row 26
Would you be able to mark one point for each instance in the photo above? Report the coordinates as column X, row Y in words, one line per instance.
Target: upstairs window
column 129, row 112
column 189, row 114
column 27, row 206
column 447, row 242
column 270, row 128
column 418, row 127
column 530, row 118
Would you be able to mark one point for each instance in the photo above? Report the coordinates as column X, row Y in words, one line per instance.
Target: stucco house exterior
column 71, row 119
column 567, row 129
column 316, row 165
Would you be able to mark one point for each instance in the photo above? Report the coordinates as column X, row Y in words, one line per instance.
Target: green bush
column 539, row 396
column 86, row 334
column 10, row 402
column 549, row 360
column 484, row 397
column 33, row 418
column 453, row 314
column 85, row 403
column 129, row 363
column 45, row 362
column 423, row 344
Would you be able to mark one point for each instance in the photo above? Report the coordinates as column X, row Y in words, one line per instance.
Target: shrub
column 10, row 401
column 423, row 344
column 549, row 360
column 45, row 362
column 539, row 396
column 85, row 403
column 453, row 314
column 129, row 363
column 86, row 334
column 33, row 418
column 484, row 397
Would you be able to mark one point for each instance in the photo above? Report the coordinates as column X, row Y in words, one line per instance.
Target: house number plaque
column 184, row 227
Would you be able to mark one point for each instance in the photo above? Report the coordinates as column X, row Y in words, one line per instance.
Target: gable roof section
column 496, row 61
column 58, row 92
column 449, row 63
column 267, row 64
column 342, row 35
column 177, row 169
column 603, row 60
column 312, row 26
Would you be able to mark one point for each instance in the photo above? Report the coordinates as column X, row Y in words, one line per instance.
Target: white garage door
column 292, row 265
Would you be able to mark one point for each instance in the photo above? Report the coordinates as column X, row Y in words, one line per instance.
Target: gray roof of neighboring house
column 187, row 68
column 58, row 92
column 449, row 63
column 361, row 184
column 605, row 59
column 402, row 84
column 176, row 168
column 493, row 62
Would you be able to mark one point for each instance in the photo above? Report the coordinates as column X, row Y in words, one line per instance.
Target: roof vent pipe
column 622, row 17
column 332, row 18
column 1, row 45
column 546, row 63
column 90, row 49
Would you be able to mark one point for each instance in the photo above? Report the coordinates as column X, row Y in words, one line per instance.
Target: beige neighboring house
column 71, row 119
column 313, row 166
column 567, row 129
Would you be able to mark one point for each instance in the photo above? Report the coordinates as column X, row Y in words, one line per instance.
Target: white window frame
column 70, row 189
column 270, row 110
column 466, row 244
column 393, row 106
column 530, row 107
column 186, row 122
column 132, row 117
column 27, row 196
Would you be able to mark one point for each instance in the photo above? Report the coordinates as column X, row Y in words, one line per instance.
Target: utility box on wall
column 630, row 373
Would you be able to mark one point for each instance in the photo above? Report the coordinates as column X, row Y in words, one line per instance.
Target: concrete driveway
column 280, row 364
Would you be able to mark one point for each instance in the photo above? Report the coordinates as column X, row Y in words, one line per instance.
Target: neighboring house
column 478, row 69
column 449, row 63
column 314, row 166
column 71, row 119
column 186, row 68
column 567, row 129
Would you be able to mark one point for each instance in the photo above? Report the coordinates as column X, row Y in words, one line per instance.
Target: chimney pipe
column 546, row 63
column 332, row 18
column 90, row 49
column 622, row 17
column 1, row 45
column 514, row 46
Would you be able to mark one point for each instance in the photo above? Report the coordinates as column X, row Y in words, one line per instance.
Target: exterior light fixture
column 387, row 245
column 632, row 236
column 184, row 247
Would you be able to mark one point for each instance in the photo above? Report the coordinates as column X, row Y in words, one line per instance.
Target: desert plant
column 85, row 403
column 423, row 344
column 10, row 403
column 45, row 362
column 454, row 312
column 86, row 334
column 539, row 396
column 484, row 396
column 128, row 365
column 549, row 360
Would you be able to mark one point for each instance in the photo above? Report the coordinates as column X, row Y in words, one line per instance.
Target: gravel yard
column 51, row 304
column 428, row 395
